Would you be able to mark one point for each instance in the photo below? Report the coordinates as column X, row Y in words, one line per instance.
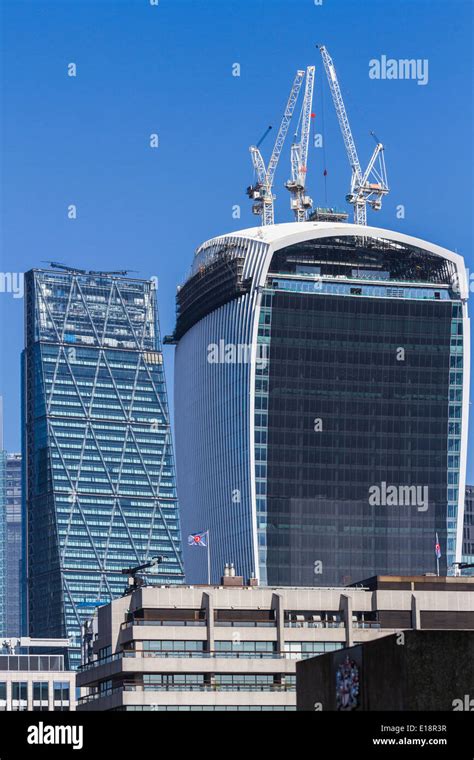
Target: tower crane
column 300, row 202
column 368, row 187
column 262, row 191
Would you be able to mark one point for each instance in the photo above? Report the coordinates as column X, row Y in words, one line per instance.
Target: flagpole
column 208, row 560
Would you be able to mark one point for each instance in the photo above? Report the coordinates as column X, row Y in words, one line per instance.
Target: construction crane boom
column 300, row 203
column 262, row 191
column 363, row 191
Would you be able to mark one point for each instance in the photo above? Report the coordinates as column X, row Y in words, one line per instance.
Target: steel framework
column 300, row 202
column 368, row 187
column 262, row 191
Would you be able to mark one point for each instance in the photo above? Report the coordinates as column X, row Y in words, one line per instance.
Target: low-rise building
column 235, row 646
column 35, row 681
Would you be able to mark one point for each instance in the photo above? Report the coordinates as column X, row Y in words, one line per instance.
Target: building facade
column 3, row 542
column 13, row 545
column 419, row 672
column 321, row 398
column 98, row 458
column 10, row 538
column 235, row 647
column 36, row 683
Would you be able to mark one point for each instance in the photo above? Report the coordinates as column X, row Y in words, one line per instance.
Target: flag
column 437, row 548
column 198, row 539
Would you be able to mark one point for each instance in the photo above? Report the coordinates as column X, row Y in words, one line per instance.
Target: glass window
column 40, row 691
column 19, row 695
column 61, row 691
column 380, row 417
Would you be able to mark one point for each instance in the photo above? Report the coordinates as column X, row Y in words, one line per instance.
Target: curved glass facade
column 357, row 417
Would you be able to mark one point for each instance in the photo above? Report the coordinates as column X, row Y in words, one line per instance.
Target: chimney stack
column 230, row 578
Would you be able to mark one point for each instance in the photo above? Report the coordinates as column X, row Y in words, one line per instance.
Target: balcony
column 180, row 655
column 208, row 688
column 192, row 623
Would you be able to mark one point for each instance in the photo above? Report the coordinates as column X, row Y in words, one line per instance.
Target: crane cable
column 325, row 172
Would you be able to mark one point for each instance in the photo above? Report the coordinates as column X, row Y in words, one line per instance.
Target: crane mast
column 368, row 187
column 299, row 201
column 262, row 191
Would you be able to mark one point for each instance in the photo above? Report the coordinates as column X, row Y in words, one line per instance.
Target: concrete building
column 320, row 366
column 35, row 681
column 423, row 670
column 235, row 647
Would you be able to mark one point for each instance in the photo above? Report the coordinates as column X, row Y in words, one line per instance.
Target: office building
column 98, row 456
column 10, row 543
column 235, row 646
column 34, row 681
column 321, row 399
column 468, row 534
column 3, row 541
column 13, row 545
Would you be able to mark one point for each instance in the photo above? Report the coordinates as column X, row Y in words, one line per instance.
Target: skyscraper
column 13, row 545
column 468, row 534
column 321, row 398
column 98, row 456
column 3, row 542
column 11, row 541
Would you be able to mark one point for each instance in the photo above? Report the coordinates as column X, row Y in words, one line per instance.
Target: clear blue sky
column 168, row 69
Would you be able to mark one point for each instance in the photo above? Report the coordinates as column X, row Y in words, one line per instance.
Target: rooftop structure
column 235, row 646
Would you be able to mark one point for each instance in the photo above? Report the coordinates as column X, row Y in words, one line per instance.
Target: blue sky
column 167, row 69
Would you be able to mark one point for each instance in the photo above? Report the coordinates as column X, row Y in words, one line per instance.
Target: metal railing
column 192, row 623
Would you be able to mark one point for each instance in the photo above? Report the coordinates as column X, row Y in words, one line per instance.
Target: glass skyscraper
column 99, row 470
column 10, row 539
column 13, row 545
column 321, row 399
column 468, row 535
column 3, row 542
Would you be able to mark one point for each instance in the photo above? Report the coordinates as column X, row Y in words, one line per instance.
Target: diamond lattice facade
column 99, row 466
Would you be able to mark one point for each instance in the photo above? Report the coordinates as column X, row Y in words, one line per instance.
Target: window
column 298, row 650
column 245, row 682
column 178, row 681
column 257, row 649
column 61, row 695
column 40, row 690
column 19, row 695
column 167, row 647
column 40, row 696
column 3, row 695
